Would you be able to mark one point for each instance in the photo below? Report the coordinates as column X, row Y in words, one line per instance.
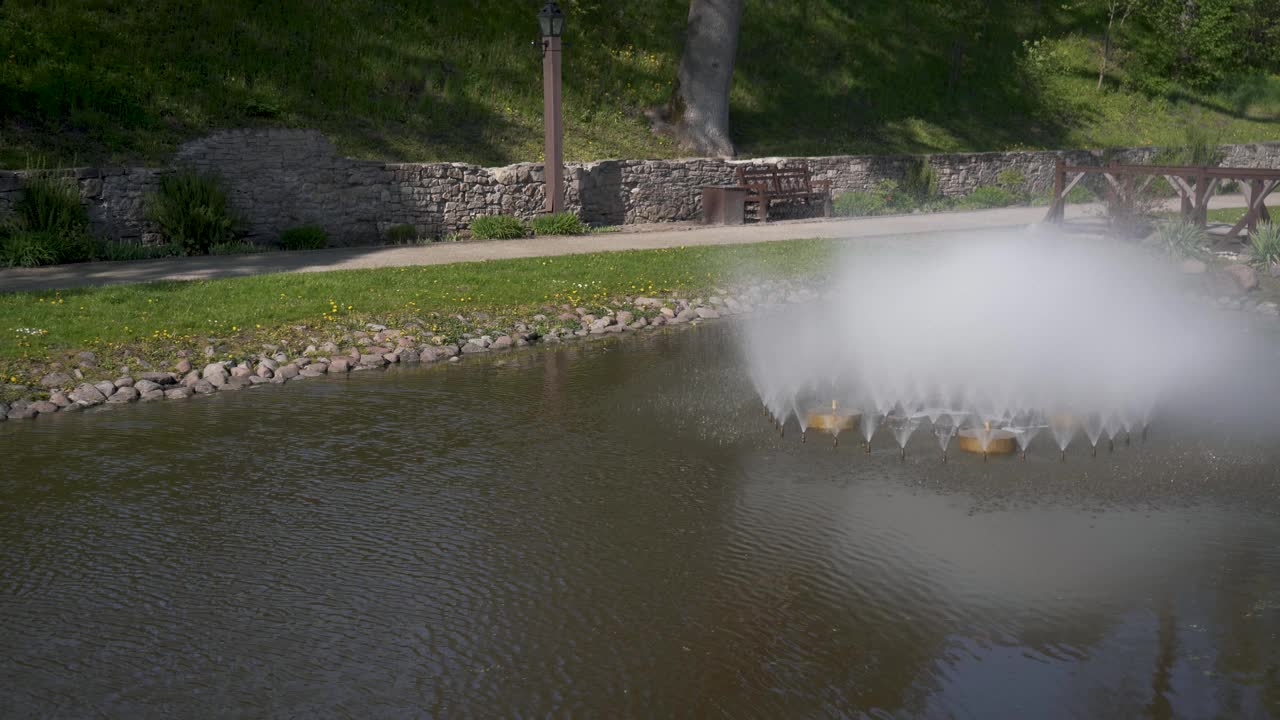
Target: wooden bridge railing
column 1194, row 184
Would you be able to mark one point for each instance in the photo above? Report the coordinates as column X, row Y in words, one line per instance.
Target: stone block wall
column 281, row 178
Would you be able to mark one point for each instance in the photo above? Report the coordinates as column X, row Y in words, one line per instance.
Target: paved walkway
column 201, row 268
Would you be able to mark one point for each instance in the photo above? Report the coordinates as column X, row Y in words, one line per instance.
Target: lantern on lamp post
column 551, row 21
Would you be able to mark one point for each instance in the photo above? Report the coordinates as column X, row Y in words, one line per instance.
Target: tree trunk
column 1106, row 45
column 699, row 109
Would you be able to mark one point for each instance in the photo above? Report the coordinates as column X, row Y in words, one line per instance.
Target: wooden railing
column 1194, row 185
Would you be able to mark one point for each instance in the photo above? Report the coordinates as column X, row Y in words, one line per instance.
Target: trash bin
column 723, row 204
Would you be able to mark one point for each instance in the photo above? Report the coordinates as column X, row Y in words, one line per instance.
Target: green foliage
column 237, row 247
column 920, row 180
column 402, row 234
column 1200, row 43
column 497, row 227
column 49, row 225
column 51, row 203
column 95, row 82
column 113, row 250
column 858, row 204
column 561, row 223
column 1078, row 194
column 306, row 237
column 1201, row 146
column 1180, row 238
column 28, row 248
column 1266, row 243
column 128, row 313
column 192, row 212
column 987, row 196
column 884, row 199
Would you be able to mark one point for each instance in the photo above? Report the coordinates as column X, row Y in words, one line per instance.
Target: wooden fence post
column 1059, row 188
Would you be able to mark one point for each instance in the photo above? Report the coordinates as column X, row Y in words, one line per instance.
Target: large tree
column 698, row 114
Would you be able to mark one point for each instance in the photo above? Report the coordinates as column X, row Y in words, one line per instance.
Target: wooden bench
column 788, row 190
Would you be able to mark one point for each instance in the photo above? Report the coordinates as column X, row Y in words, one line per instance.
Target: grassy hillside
column 88, row 81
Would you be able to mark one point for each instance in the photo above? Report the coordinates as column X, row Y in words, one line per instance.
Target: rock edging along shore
column 377, row 346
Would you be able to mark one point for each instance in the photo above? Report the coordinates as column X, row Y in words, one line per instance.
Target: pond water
column 615, row 530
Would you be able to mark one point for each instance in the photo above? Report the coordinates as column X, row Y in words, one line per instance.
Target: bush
column 497, row 227
column 402, row 234
column 884, row 199
column 1266, row 243
column 1015, row 183
column 192, row 212
column 307, row 237
column 859, row 204
column 987, row 196
column 561, row 223
column 1179, row 237
column 49, row 217
column 920, row 182
column 236, row 247
column 113, row 250
column 28, row 248
column 51, row 203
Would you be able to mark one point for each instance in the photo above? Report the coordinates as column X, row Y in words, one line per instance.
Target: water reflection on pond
column 616, row 531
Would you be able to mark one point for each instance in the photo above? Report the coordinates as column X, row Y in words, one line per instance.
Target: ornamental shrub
column 561, row 223
column 307, row 237
column 192, row 212
column 497, row 227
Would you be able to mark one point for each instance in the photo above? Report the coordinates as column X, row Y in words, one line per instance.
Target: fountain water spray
column 989, row 339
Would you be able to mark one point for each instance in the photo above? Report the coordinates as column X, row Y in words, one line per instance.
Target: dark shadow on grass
column 872, row 71
column 203, row 267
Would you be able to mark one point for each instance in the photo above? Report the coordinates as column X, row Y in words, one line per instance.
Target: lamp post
column 551, row 20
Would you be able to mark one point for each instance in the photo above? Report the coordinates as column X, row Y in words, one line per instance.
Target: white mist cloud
column 1015, row 330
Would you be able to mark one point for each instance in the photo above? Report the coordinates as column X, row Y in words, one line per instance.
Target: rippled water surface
column 616, row 531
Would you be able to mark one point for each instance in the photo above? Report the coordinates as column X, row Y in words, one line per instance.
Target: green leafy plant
column 113, row 250
column 192, row 212
column 859, row 204
column 883, row 199
column 920, row 180
column 1266, row 243
column 28, row 248
column 50, row 203
column 51, row 216
column 987, row 196
column 1014, row 182
column 561, row 223
column 307, row 237
column 402, row 234
column 1180, row 238
column 237, row 247
column 497, row 227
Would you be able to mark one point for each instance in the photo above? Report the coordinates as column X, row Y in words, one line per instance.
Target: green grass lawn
column 155, row 320
column 126, row 82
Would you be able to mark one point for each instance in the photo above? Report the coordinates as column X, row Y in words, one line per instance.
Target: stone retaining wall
column 281, row 178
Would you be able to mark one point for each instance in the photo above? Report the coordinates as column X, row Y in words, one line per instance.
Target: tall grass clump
column 497, row 227
column 27, row 248
column 192, row 212
column 307, row 237
column 561, row 223
column 987, row 196
column 885, row 198
column 920, row 181
column 1180, row 238
column 48, row 224
column 114, row 250
column 1266, row 243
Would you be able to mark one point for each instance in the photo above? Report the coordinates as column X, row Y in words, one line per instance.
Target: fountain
column 1053, row 357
